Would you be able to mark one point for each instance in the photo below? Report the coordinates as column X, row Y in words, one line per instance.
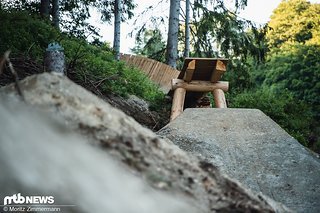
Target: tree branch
column 14, row 73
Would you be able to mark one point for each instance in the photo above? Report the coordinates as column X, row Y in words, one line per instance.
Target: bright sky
column 258, row 11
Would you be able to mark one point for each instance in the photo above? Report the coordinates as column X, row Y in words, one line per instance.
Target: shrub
column 296, row 67
column 97, row 65
column 25, row 35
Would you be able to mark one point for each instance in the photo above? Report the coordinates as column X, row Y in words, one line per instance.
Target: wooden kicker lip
column 205, row 68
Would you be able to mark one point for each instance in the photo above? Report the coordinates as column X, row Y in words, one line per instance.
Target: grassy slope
column 28, row 37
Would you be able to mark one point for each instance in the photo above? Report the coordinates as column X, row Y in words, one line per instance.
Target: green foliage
column 106, row 8
column 78, row 12
column 292, row 115
column 28, row 5
column 25, row 35
column 75, row 13
column 294, row 21
column 152, row 45
column 296, row 68
column 238, row 75
column 218, row 31
column 97, row 66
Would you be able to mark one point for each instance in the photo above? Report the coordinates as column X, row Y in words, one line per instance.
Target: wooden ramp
column 199, row 76
column 158, row 72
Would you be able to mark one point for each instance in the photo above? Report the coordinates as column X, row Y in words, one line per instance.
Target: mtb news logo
column 19, row 199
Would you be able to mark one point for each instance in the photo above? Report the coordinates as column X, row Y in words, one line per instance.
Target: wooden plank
column 157, row 69
column 190, row 70
column 150, row 66
column 173, row 73
column 124, row 57
column 200, row 86
column 158, row 72
column 155, row 72
column 219, row 98
column 146, row 67
column 219, row 70
column 152, row 69
column 140, row 62
column 162, row 73
column 169, row 75
column 204, row 68
column 177, row 103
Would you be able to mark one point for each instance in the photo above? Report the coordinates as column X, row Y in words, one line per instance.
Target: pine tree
column 45, row 8
column 187, row 30
column 55, row 13
column 117, row 23
column 172, row 41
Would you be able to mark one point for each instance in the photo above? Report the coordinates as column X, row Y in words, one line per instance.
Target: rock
column 135, row 108
column 251, row 148
column 158, row 162
column 40, row 157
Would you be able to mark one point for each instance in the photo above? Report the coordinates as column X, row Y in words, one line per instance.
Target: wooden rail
column 158, row 72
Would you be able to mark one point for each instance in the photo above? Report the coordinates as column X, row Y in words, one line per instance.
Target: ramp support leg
column 219, row 98
column 177, row 103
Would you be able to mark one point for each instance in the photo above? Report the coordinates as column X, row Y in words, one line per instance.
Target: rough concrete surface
column 135, row 108
column 39, row 156
column 157, row 162
column 251, row 148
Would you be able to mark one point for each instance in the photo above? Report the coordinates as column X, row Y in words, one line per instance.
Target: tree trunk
column 55, row 13
column 187, row 30
column 117, row 22
column 172, row 42
column 45, row 8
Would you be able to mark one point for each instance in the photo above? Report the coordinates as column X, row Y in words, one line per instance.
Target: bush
column 292, row 115
column 25, row 35
column 239, row 75
column 97, row 65
column 296, row 68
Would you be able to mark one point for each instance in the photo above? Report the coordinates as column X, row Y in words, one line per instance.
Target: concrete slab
column 250, row 147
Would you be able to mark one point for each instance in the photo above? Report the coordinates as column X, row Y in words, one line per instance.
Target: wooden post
column 177, row 103
column 190, row 70
column 219, row 98
column 219, row 70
